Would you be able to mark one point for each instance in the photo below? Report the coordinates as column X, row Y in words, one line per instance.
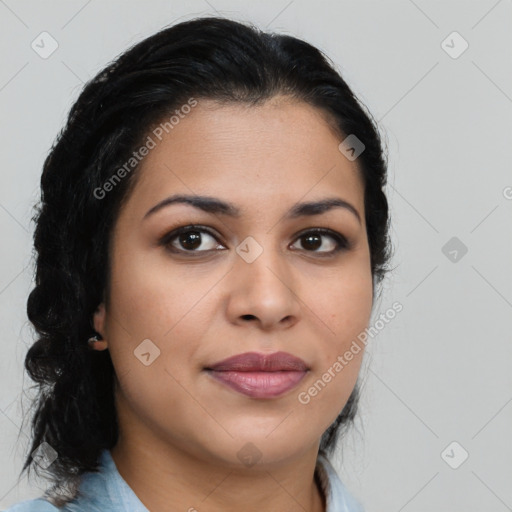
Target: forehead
column 281, row 150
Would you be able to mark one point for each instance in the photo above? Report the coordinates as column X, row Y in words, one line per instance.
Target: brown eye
column 191, row 239
column 311, row 242
column 329, row 242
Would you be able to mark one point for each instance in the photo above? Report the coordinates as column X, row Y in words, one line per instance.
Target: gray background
column 440, row 371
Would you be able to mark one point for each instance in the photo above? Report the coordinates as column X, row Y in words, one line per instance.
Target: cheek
column 351, row 308
column 344, row 309
column 343, row 305
column 155, row 395
column 168, row 309
column 149, row 298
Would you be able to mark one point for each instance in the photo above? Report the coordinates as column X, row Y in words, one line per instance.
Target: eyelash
column 342, row 243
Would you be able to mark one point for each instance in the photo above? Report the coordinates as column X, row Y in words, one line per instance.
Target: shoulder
column 37, row 505
column 98, row 491
column 88, row 496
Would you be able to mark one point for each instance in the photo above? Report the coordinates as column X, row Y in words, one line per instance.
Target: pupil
column 313, row 241
column 190, row 240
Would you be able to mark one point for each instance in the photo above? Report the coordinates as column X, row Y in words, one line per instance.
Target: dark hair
column 205, row 58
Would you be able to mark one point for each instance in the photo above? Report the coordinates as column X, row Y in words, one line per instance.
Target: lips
column 260, row 375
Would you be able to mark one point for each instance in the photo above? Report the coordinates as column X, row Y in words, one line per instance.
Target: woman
column 211, row 236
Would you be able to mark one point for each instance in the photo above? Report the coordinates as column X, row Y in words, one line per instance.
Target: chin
column 266, row 444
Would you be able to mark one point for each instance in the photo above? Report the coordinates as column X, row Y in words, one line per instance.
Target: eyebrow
column 217, row 206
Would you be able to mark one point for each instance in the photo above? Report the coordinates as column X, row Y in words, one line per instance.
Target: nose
column 263, row 291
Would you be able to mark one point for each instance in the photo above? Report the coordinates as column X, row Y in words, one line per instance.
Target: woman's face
column 261, row 281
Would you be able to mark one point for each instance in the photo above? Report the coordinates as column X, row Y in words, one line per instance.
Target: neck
column 165, row 478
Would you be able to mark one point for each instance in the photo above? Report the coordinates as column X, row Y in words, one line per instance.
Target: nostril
column 248, row 317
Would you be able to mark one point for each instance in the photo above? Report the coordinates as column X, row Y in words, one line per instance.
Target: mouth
column 260, row 375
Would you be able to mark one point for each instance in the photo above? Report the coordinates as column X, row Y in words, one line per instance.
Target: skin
column 181, row 430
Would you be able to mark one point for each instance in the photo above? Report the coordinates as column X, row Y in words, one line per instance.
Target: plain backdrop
column 437, row 380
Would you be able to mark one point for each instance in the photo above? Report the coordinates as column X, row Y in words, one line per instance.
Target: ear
column 99, row 320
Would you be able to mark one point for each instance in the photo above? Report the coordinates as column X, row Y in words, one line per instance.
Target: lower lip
column 259, row 384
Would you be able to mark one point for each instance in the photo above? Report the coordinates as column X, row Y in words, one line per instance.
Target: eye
column 312, row 241
column 199, row 239
column 188, row 239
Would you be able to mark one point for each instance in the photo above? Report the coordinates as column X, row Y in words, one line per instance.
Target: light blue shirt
column 107, row 491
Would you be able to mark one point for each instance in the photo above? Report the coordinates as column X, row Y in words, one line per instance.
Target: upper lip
column 254, row 362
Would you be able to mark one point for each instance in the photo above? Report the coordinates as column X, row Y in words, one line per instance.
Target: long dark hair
column 210, row 58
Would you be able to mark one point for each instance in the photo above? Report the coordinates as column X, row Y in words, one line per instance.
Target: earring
column 93, row 340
